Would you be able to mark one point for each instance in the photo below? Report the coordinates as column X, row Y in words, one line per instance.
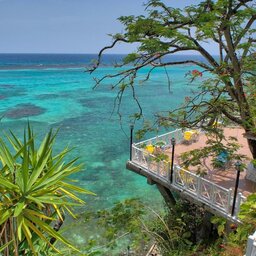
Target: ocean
column 54, row 91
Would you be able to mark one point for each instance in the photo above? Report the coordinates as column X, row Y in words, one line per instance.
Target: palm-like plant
column 34, row 192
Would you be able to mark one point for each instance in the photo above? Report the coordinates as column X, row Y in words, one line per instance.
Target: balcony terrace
column 215, row 191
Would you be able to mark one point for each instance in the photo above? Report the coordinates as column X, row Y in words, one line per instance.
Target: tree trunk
column 252, row 146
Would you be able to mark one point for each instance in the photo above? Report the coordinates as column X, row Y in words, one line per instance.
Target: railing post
column 131, row 140
column 148, row 161
column 250, row 245
column 174, row 178
column 229, row 200
column 238, row 203
column 212, row 194
column 133, row 153
column 158, row 168
column 198, row 187
column 185, row 179
column 168, row 171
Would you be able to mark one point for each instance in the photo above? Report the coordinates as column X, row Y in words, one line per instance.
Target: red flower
column 196, row 72
column 233, row 226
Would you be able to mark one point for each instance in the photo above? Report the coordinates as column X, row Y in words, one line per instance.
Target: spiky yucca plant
column 34, row 193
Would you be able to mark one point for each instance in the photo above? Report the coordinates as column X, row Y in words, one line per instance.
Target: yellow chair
column 150, row 148
column 190, row 136
column 187, row 136
column 216, row 124
column 185, row 178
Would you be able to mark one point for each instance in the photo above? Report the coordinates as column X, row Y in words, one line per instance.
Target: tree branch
column 245, row 30
column 103, row 50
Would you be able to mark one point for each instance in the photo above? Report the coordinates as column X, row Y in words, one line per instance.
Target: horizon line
column 69, row 53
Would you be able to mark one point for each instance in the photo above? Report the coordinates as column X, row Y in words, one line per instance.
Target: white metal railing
column 215, row 196
column 211, row 193
column 251, row 245
column 150, row 162
column 166, row 138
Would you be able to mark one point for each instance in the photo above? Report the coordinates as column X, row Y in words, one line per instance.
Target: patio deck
column 215, row 190
column 223, row 177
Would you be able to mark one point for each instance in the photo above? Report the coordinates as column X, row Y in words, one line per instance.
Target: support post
column 173, row 142
column 131, row 140
column 167, row 195
column 238, row 169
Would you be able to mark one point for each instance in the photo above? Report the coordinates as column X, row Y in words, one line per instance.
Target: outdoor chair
column 150, row 148
column 184, row 179
column 222, row 161
column 190, row 136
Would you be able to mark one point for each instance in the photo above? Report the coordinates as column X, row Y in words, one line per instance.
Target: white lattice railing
column 166, row 138
column 251, row 245
column 203, row 190
column 150, row 162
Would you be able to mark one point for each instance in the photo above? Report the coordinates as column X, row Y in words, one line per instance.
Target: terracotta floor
column 225, row 178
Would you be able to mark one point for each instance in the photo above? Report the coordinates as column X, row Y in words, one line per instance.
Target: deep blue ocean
column 54, row 91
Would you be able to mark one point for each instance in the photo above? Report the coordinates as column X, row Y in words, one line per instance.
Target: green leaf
column 5, row 245
column 18, row 209
column 5, row 214
column 51, row 231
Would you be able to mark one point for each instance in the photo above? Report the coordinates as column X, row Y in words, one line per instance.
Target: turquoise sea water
column 53, row 91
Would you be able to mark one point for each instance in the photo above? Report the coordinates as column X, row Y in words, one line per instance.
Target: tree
column 228, row 93
column 34, row 195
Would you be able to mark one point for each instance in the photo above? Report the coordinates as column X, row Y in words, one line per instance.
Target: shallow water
column 63, row 98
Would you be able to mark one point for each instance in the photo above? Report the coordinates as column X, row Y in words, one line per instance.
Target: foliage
column 238, row 238
column 233, row 240
column 177, row 232
column 123, row 218
column 35, row 194
column 131, row 223
column 120, row 228
column 228, row 87
column 220, row 223
column 216, row 144
column 254, row 163
column 248, row 211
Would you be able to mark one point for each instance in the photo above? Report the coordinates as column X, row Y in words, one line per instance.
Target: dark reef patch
column 47, row 96
column 7, row 86
column 24, row 110
column 94, row 103
column 10, row 90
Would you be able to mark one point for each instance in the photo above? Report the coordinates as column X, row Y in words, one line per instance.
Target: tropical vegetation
column 131, row 227
column 36, row 193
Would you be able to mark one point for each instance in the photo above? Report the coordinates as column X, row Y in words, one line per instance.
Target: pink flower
column 196, row 72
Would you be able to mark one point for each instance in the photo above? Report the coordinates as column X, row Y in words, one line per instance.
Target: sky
column 65, row 26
